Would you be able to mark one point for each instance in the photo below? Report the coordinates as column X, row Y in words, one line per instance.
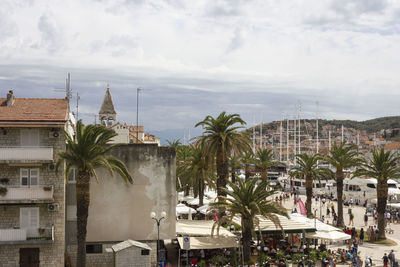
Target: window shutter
column 34, row 175
column 24, row 177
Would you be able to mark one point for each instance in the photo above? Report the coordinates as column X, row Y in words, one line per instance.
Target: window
column 94, row 248
column 73, row 173
column 145, row 252
column 29, row 220
column 371, row 185
column 30, row 137
column 29, row 177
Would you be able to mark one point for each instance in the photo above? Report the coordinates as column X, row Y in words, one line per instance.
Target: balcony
column 24, row 195
column 26, row 154
column 27, row 236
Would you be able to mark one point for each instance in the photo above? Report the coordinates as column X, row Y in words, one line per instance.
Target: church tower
column 107, row 114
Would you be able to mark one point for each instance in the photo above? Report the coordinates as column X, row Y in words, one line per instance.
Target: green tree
column 221, row 139
column 342, row 156
column 248, row 200
column 264, row 160
column 309, row 170
column 197, row 170
column 382, row 166
column 87, row 152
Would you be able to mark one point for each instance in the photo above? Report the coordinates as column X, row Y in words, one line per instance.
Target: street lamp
column 158, row 220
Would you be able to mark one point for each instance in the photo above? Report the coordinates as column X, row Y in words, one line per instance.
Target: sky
column 257, row 58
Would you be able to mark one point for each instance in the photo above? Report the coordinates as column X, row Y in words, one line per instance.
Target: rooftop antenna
column 67, row 89
column 77, row 106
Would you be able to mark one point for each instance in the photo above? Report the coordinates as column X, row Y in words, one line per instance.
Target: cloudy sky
column 194, row 58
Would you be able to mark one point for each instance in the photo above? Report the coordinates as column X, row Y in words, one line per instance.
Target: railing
column 26, row 153
column 40, row 194
column 27, row 236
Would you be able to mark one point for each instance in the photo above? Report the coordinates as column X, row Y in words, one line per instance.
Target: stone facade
column 51, row 252
column 132, row 257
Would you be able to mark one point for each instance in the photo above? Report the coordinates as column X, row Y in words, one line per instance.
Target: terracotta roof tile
column 394, row 145
column 34, row 110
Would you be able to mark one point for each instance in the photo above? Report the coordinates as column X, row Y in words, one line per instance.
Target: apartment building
column 32, row 196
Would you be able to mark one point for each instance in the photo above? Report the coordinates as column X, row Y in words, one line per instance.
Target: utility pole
column 342, row 133
column 261, row 133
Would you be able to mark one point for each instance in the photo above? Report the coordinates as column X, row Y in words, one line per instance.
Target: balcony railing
column 26, row 154
column 26, row 236
column 40, row 194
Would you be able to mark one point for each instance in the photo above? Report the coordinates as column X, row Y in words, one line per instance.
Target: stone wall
column 50, row 254
column 132, row 257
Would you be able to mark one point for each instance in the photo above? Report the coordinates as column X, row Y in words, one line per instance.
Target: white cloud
column 303, row 48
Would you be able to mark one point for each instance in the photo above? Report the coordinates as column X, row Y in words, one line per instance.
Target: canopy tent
column 320, row 226
column 331, row 235
column 199, row 228
column 183, row 209
column 289, row 226
column 208, row 242
column 182, row 197
column 196, row 201
column 204, row 209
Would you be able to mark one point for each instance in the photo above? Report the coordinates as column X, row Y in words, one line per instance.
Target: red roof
column 394, row 145
column 47, row 110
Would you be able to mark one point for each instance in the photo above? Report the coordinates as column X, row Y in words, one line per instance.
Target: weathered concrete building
column 118, row 211
column 32, row 196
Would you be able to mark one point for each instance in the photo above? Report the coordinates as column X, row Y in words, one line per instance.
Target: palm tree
column 342, row 157
column 86, row 153
column 247, row 159
column 222, row 139
column 265, row 160
column 174, row 143
column 308, row 169
column 234, row 164
column 249, row 200
column 197, row 169
column 382, row 166
column 183, row 181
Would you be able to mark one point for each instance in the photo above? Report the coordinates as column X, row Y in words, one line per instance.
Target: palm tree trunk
column 382, row 194
column 309, row 187
column 246, row 234
column 339, row 188
column 222, row 172
column 82, row 211
column 233, row 179
column 201, row 192
column 247, row 172
column 264, row 174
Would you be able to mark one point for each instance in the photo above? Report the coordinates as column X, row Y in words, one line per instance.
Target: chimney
column 10, row 98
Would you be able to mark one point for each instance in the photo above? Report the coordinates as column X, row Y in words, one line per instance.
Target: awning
column 320, row 226
column 288, row 225
column 332, row 235
column 211, row 242
column 199, row 228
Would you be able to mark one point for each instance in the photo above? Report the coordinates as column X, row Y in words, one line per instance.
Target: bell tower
column 107, row 114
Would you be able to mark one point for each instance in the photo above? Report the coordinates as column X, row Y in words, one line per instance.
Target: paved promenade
column 375, row 251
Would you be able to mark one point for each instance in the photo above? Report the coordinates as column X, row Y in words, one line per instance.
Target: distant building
column 127, row 134
column 32, row 196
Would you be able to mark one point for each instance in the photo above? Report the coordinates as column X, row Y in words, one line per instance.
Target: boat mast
column 280, row 141
column 299, row 127
column 342, row 133
column 294, row 136
column 261, row 137
column 287, row 138
column 254, row 135
column 317, row 129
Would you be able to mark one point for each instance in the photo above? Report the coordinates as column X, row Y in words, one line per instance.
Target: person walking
column 392, row 259
column 351, row 221
column 361, row 236
column 366, row 219
column 385, row 260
